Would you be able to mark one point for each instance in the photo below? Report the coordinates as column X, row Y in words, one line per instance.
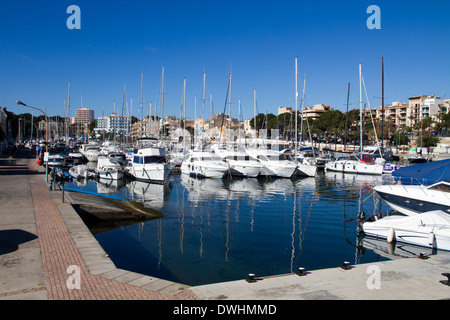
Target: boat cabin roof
column 151, row 152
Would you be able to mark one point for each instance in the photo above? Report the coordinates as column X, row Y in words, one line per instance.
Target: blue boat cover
column 424, row 173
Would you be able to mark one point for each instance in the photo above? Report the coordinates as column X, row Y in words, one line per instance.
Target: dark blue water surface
column 222, row 230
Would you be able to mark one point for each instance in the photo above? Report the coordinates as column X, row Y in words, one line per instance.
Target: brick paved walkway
column 59, row 252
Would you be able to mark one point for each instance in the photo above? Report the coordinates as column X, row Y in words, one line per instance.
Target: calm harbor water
column 222, row 230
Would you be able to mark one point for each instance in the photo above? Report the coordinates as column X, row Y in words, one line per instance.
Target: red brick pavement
column 59, row 252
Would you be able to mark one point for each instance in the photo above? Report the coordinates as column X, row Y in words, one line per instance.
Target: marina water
column 221, row 230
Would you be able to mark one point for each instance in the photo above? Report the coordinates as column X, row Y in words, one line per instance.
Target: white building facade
column 113, row 123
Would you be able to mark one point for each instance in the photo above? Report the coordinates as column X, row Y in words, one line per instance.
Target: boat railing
column 423, row 183
column 413, row 181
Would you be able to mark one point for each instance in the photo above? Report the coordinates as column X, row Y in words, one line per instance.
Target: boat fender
column 391, row 235
column 432, row 239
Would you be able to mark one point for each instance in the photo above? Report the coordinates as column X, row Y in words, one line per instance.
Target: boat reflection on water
column 108, row 186
column 152, row 195
column 395, row 250
column 203, row 190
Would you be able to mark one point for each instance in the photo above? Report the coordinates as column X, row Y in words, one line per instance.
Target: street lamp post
column 20, row 103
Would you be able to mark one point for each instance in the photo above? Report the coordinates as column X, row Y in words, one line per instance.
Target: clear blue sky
column 256, row 40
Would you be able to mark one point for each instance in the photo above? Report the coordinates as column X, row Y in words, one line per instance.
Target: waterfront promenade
column 44, row 243
column 39, row 254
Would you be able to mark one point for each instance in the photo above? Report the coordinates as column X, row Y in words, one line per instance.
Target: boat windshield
column 240, row 157
column 154, row 159
column 280, row 157
column 211, row 158
column 146, row 160
column 445, row 187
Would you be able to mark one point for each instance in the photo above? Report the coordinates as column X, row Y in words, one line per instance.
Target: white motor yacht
column 241, row 164
column 416, row 199
column 275, row 164
column 108, row 168
column 306, row 165
column 90, row 151
column 359, row 164
column 204, row 164
column 149, row 165
column 430, row 229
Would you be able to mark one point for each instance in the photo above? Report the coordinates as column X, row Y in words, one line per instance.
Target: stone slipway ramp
column 102, row 213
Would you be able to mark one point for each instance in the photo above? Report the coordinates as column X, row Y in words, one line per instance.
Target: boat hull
column 421, row 239
column 155, row 174
column 242, row 170
column 278, row 169
column 430, row 230
column 200, row 171
column 417, row 200
column 110, row 174
column 306, row 170
column 354, row 167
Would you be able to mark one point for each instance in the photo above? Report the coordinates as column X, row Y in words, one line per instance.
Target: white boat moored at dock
column 430, row 229
column 149, row 165
column 204, row 164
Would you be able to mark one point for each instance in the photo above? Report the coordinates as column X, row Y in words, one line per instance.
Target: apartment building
column 396, row 113
column 83, row 116
column 312, row 113
column 282, row 110
column 111, row 123
column 411, row 113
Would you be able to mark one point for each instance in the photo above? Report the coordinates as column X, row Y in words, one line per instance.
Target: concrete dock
column 47, row 253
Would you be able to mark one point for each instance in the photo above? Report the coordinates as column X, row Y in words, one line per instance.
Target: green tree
column 261, row 121
column 427, row 141
column 399, row 139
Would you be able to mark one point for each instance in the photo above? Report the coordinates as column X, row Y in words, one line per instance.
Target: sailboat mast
column 361, row 110
column 229, row 120
column 346, row 118
column 195, row 120
column 142, row 96
column 123, row 106
column 162, row 102
column 254, row 110
column 149, row 119
column 129, row 117
column 303, row 110
column 382, row 105
column 296, row 108
column 184, row 116
column 239, row 121
column 68, row 115
column 204, row 92
column 210, row 108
